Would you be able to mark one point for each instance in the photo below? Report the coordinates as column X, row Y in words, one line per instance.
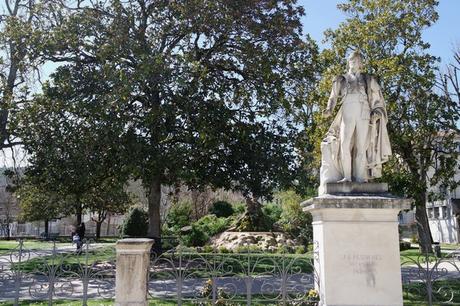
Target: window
column 436, row 212
column 445, row 212
column 430, row 213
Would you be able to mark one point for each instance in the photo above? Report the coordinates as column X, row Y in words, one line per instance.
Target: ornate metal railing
column 186, row 276
column 431, row 279
column 234, row 278
column 57, row 273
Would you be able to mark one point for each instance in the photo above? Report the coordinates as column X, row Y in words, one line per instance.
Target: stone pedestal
column 356, row 229
column 133, row 261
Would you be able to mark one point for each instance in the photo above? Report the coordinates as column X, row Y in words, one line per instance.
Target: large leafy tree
column 389, row 33
column 194, row 92
column 23, row 26
column 71, row 155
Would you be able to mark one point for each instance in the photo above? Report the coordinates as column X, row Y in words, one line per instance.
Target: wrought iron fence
column 234, row 278
column 188, row 276
column 57, row 273
column 432, row 279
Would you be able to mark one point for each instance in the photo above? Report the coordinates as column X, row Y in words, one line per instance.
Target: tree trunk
column 423, row 227
column 79, row 212
column 98, row 229
column 107, row 232
column 253, row 206
column 458, row 228
column 154, row 199
column 46, row 228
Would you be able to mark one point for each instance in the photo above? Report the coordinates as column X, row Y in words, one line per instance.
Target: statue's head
column 355, row 61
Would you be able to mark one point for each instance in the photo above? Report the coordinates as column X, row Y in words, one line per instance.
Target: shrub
column 300, row 249
column 208, row 249
column 196, row 236
column 205, row 228
column 224, row 250
column 179, row 215
column 212, row 224
column 136, row 223
column 294, row 220
column 239, row 208
column 404, row 245
column 272, row 212
column 222, row 209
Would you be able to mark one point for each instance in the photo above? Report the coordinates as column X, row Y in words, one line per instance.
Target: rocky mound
column 265, row 241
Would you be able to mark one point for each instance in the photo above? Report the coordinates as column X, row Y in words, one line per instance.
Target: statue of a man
column 357, row 142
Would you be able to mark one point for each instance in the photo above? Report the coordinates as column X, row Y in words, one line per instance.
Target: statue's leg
column 347, row 128
column 362, row 129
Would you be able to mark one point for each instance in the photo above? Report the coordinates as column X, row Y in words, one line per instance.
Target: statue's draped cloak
column 378, row 150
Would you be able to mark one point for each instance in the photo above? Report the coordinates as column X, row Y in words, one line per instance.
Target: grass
column 7, row 246
column 71, row 261
column 413, row 255
column 415, row 294
column 156, row 302
column 234, row 264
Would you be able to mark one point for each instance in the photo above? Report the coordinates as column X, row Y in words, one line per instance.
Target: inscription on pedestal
column 363, row 265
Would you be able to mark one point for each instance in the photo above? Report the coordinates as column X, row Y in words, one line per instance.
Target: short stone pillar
column 355, row 226
column 133, row 261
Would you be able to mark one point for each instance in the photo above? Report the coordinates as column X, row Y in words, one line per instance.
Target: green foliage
column 221, row 209
column 239, row 208
column 300, row 249
column 135, row 223
column 272, row 212
column 293, row 219
column 196, row 237
column 224, row 250
column 179, row 215
column 205, row 228
column 211, row 96
column 37, row 203
column 208, row 249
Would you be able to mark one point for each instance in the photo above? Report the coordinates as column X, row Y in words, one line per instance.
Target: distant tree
column 202, row 93
column 38, row 204
column 221, row 209
column 135, row 223
column 107, row 197
column 389, row 33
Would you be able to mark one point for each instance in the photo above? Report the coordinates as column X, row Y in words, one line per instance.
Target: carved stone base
column 356, row 229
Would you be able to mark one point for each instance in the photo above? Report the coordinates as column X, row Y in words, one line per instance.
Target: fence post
column 132, row 272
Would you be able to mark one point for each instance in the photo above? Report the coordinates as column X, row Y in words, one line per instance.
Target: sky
column 442, row 36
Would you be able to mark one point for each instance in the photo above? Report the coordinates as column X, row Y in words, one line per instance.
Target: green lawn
column 156, row 302
column 413, row 255
column 7, row 246
column 235, row 264
column 415, row 294
column 71, row 261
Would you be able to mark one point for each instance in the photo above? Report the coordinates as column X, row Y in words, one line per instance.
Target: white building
column 444, row 217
